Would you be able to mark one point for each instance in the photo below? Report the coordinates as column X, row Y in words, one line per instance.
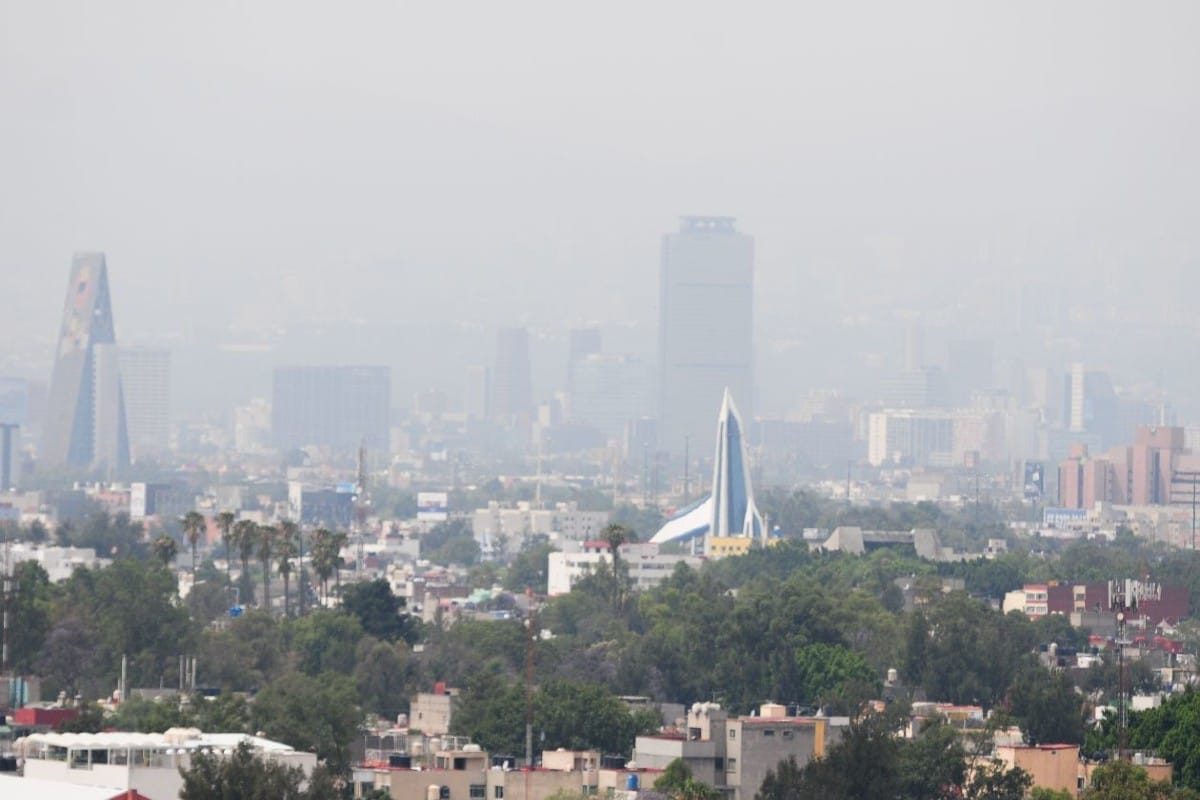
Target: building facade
column 647, row 566
column 85, row 425
column 705, row 327
column 146, row 381
column 340, row 407
column 512, row 380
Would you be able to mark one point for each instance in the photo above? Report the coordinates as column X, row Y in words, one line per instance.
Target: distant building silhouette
column 340, row 407
column 85, row 425
column 582, row 342
column 705, row 327
column 146, row 380
column 512, row 383
column 477, row 392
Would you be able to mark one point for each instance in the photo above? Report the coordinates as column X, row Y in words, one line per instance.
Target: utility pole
column 530, row 634
column 5, row 599
column 361, row 501
column 1124, row 597
column 686, row 457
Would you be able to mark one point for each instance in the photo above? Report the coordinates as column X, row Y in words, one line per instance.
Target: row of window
column 478, row 791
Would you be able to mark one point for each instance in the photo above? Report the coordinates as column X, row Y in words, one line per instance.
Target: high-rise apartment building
column 14, row 409
column 477, row 392
column 512, row 382
column 85, row 423
column 581, row 343
column 705, row 327
column 146, row 380
column 611, row 391
column 337, row 407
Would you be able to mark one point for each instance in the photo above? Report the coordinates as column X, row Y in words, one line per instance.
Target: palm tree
column 616, row 535
column 225, row 521
column 285, row 551
column 265, row 537
column 323, row 559
column 243, row 539
column 194, row 526
column 339, row 541
column 290, row 532
column 165, row 549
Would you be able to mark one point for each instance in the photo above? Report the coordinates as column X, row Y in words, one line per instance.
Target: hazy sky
column 246, row 162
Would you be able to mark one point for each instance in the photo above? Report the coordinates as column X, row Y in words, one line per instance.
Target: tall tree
column 225, row 522
column 264, row 539
column 323, row 559
column 242, row 774
column 165, row 549
column 616, row 535
column 244, row 538
column 379, row 611
column 285, row 551
column 340, row 538
column 28, row 605
column 194, row 527
column 293, row 532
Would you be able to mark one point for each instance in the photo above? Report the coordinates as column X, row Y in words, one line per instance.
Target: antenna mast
column 361, row 503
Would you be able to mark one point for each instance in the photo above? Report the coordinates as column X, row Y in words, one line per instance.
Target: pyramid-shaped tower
column 85, row 422
column 733, row 509
column 729, row 510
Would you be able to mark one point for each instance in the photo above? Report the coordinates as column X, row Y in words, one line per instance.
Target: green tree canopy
column 380, row 613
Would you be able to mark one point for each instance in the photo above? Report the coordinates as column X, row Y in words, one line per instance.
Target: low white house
column 147, row 763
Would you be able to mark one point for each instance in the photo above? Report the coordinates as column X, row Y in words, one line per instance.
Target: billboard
column 1063, row 517
column 433, row 506
column 137, row 501
column 1035, row 480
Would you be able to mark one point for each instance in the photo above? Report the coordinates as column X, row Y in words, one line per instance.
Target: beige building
column 465, row 773
column 430, row 712
column 1052, row 766
column 735, row 754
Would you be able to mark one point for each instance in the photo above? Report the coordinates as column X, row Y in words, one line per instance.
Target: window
column 478, row 791
column 731, row 765
column 733, row 733
column 788, row 734
column 498, row 792
column 768, row 732
column 719, row 763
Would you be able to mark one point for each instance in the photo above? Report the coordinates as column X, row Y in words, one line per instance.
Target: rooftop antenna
column 1125, row 597
column 537, row 497
column 362, row 501
column 687, row 440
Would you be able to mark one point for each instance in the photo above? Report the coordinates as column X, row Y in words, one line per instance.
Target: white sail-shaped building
column 728, row 512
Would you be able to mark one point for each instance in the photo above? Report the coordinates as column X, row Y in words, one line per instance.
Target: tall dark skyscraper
column 705, row 328
column 337, row 407
column 85, row 422
column 512, row 384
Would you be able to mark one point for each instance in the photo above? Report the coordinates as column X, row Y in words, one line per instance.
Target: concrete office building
column 581, row 343
column 477, row 392
column 342, row 408
column 14, row 411
column 146, row 379
column 512, row 382
column 85, row 425
column 610, row 391
column 705, row 327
